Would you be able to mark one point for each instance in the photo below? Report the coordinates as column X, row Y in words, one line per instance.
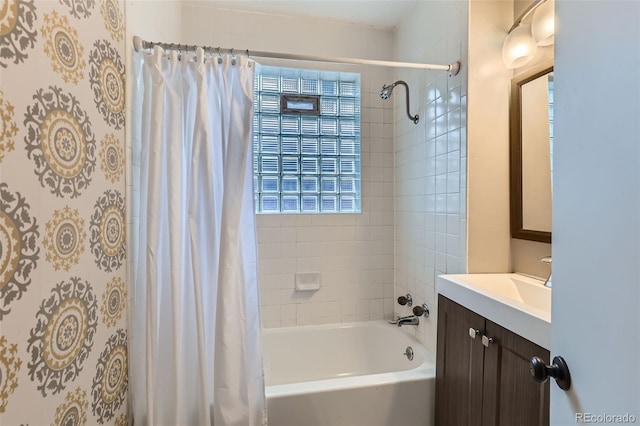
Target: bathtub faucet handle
column 405, row 300
column 421, row 310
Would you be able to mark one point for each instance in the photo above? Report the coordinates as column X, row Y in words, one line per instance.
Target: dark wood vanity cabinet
column 482, row 373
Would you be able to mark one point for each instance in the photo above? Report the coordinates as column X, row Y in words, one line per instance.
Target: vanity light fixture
column 543, row 24
column 519, row 47
column 523, row 39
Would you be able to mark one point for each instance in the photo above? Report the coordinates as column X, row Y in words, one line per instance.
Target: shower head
column 385, row 93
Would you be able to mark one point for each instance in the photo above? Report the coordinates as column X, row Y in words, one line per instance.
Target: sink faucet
column 547, row 259
column 408, row 320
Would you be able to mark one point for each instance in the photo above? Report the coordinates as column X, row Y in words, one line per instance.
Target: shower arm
column 413, row 118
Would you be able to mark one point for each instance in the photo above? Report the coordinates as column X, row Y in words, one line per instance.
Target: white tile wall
column 430, row 164
column 352, row 252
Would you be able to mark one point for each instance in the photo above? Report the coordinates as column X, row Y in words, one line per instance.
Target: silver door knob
column 473, row 332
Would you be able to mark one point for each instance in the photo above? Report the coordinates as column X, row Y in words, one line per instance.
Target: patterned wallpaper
column 63, row 291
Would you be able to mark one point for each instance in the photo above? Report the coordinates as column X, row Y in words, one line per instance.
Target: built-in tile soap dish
column 307, row 281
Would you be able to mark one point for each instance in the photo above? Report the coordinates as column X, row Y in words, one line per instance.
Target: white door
column 596, row 211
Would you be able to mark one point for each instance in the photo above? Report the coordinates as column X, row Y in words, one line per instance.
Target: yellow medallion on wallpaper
column 65, row 238
column 9, row 367
column 62, row 46
column 114, row 302
column 73, row 410
column 112, row 158
column 8, row 127
column 121, row 420
column 113, row 20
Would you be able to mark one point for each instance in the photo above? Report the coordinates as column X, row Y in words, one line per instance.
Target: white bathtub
column 347, row 375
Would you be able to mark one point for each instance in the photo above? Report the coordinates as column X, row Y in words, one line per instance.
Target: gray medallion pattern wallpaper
column 19, row 254
column 62, row 339
column 18, row 33
column 63, row 279
column 60, row 141
column 108, row 231
column 106, row 74
column 110, row 384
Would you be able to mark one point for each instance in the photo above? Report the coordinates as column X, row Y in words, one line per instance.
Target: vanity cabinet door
column 510, row 395
column 459, row 366
column 485, row 384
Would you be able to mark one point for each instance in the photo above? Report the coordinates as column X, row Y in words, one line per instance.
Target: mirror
column 531, row 153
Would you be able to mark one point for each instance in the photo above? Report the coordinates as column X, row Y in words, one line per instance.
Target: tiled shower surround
column 431, row 159
column 353, row 252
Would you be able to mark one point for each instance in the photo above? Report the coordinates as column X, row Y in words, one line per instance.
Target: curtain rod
column 139, row 43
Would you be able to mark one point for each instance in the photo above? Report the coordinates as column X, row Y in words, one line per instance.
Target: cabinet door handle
column 473, row 332
column 487, row 340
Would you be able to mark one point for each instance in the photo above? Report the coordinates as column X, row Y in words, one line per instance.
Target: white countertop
column 516, row 302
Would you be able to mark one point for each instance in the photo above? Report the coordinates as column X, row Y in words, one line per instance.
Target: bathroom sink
column 517, row 302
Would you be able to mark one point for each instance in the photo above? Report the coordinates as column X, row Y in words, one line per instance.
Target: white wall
column 491, row 248
column 596, row 216
column 430, row 157
column 489, row 82
column 354, row 253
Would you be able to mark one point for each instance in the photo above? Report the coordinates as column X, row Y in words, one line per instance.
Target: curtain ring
column 200, row 55
column 233, row 57
column 219, row 56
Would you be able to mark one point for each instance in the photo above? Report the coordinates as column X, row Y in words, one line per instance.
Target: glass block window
column 306, row 163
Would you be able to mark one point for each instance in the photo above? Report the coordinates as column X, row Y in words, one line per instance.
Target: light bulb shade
column 519, row 47
column 543, row 24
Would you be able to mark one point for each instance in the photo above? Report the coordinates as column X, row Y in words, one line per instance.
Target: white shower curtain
column 195, row 350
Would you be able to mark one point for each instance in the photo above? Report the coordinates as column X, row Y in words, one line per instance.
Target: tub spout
column 408, row 320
